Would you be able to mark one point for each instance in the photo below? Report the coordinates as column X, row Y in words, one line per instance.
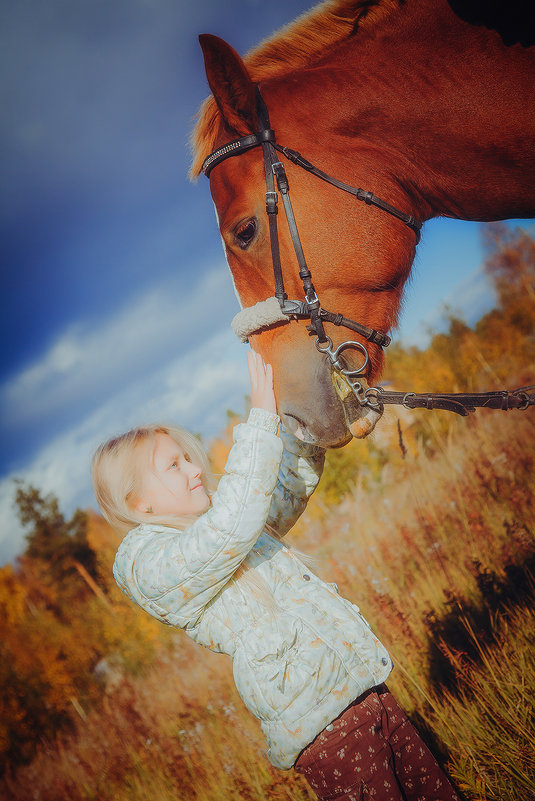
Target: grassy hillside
column 440, row 558
column 428, row 526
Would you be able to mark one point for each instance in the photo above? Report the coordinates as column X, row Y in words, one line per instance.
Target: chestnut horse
column 407, row 98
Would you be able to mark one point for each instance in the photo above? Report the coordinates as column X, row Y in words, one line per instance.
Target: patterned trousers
column 372, row 751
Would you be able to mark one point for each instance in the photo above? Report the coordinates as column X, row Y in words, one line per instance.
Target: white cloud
column 169, row 355
column 90, row 361
column 193, row 389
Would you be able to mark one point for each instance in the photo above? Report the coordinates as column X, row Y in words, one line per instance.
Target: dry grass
column 439, row 557
column 180, row 732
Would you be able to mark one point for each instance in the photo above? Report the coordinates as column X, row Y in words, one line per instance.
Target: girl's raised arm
column 174, row 574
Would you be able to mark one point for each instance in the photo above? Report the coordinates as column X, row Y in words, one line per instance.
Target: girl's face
column 171, row 484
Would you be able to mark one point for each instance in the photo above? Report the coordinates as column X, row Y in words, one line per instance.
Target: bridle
column 309, row 308
column 268, row 312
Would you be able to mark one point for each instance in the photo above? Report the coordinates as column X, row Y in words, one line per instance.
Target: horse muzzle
column 360, row 419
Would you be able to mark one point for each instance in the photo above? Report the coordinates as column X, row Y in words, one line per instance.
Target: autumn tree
column 59, row 618
column 56, row 548
column 511, row 265
column 497, row 352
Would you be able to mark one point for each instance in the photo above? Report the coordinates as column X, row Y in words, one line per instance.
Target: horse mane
column 296, row 45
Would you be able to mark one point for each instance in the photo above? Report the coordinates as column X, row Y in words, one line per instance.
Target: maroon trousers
column 372, row 751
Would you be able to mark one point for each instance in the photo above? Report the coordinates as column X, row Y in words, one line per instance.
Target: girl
column 305, row 661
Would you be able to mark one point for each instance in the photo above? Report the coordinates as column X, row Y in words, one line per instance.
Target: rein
column 280, row 309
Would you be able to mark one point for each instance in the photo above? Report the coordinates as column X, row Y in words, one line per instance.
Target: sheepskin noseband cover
column 256, row 317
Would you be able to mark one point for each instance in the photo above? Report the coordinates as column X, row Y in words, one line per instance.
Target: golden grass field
column 428, row 526
column 439, row 555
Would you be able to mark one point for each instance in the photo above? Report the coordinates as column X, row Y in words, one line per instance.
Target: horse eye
column 245, row 232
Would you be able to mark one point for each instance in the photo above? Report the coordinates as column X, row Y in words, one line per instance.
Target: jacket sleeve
column 299, row 473
column 174, row 574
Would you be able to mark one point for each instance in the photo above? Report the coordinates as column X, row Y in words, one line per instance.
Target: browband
column 235, row 148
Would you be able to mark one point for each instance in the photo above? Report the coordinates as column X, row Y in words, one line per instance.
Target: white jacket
column 299, row 661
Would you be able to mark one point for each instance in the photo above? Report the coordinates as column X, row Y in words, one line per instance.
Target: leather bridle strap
column 235, row 148
column 361, row 194
column 459, row 402
column 273, row 167
column 299, row 309
column 272, row 211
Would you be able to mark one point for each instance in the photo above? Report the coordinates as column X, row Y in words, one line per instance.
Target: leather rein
column 310, row 308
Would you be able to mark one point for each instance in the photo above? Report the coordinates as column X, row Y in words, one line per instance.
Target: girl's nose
column 194, row 470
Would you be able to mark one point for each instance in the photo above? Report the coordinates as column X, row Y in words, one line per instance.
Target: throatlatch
column 280, row 309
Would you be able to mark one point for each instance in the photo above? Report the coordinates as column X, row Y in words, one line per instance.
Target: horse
column 423, row 102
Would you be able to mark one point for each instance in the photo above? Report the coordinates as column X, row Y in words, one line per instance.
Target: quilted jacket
column 298, row 660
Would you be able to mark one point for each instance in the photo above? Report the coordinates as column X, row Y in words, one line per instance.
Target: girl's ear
column 233, row 89
column 137, row 504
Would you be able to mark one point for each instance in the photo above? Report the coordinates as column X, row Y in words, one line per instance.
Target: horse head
column 359, row 256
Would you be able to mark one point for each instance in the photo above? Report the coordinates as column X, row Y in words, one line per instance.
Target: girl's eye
column 187, row 457
column 245, row 232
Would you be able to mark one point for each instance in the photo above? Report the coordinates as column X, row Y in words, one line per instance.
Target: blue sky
column 116, row 298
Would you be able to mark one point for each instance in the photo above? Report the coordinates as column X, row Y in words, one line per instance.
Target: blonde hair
column 117, row 473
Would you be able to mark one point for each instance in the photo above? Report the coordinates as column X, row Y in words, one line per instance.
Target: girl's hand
column 261, row 375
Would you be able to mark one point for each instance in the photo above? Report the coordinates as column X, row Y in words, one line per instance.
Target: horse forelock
column 296, row 45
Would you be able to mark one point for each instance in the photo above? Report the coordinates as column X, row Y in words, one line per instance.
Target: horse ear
column 233, row 89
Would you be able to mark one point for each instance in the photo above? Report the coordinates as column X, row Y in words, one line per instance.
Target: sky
column 116, row 299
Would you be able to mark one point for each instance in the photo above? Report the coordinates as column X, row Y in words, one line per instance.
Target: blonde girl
column 305, row 661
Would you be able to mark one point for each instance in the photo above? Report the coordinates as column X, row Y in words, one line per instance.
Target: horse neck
column 451, row 110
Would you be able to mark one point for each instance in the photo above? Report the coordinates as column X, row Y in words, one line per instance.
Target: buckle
column 279, row 172
column 313, row 301
column 271, row 202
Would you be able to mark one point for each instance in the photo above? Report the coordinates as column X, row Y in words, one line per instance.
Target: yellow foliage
column 428, row 525
column 13, row 595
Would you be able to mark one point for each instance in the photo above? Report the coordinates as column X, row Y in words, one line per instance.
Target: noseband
column 280, row 308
